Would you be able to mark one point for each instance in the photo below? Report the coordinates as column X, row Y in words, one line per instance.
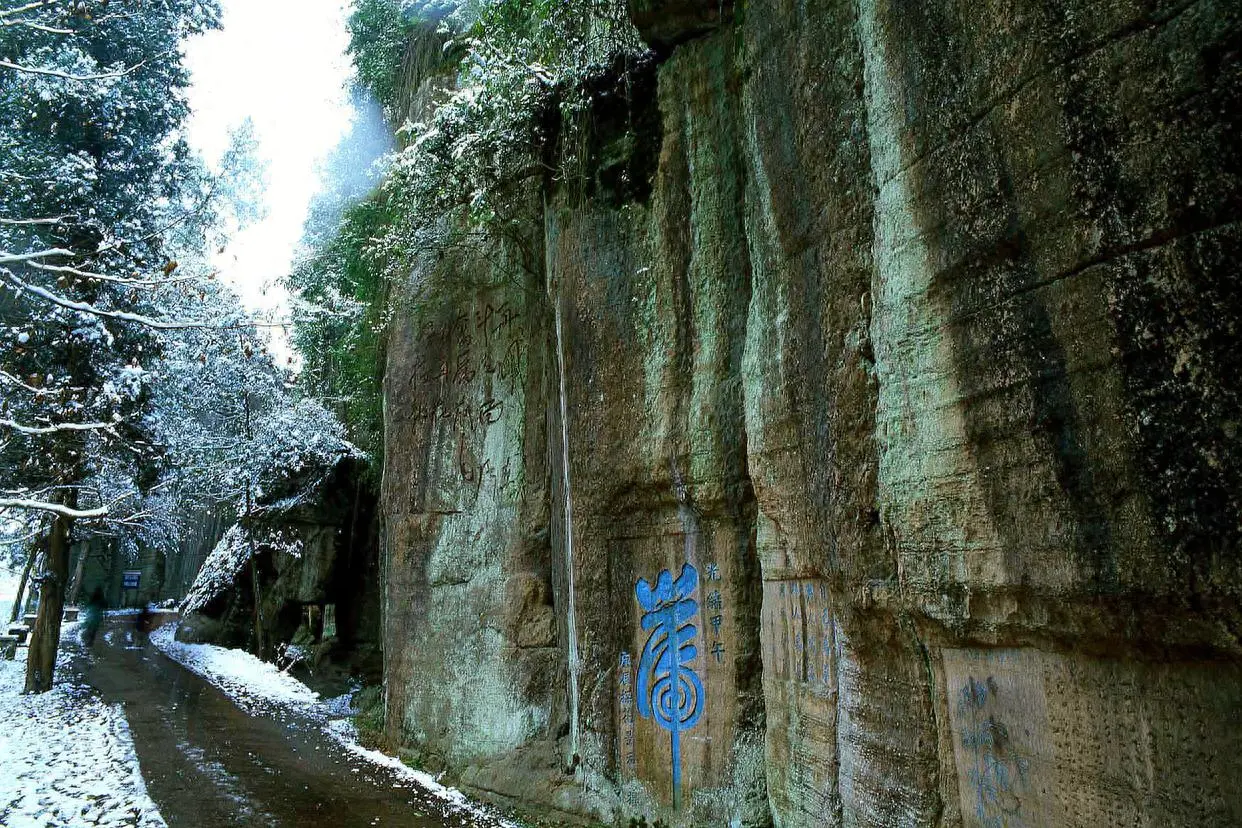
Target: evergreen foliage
column 378, row 30
column 99, row 191
column 341, row 289
column 342, row 294
column 133, row 387
column 517, row 78
column 97, row 184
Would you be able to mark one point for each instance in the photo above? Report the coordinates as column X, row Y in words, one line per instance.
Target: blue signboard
column 129, row 580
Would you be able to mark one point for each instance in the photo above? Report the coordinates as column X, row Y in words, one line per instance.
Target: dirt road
column 208, row 763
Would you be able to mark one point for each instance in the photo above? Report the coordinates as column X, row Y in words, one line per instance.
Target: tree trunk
column 21, row 585
column 248, row 521
column 75, row 591
column 45, row 638
column 254, row 581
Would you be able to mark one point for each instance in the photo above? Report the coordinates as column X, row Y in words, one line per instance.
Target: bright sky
column 281, row 63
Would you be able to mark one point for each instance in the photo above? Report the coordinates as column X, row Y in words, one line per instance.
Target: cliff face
column 911, row 329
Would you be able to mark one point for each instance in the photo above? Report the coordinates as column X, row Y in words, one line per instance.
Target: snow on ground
column 344, row 732
column 8, row 591
column 256, row 685
column 67, row 758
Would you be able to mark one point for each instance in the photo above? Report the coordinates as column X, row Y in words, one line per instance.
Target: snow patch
column 344, row 732
column 219, row 569
column 254, row 685
column 68, row 759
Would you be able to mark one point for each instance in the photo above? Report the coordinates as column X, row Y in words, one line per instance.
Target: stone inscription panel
column 997, row 709
column 799, row 633
column 1048, row 739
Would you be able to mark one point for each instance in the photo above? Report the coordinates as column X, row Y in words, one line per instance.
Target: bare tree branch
column 85, row 307
column 37, row 4
column 32, row 504
column 38, row 392
column 137, row 318
column 23, row 222
column 22, row 539
column 38, row 26
column 116, row 280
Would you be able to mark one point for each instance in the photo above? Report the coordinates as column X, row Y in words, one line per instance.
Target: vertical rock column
column 656, row 288
column 1055, row 198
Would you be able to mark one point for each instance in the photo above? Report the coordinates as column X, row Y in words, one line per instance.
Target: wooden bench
column 18, row 631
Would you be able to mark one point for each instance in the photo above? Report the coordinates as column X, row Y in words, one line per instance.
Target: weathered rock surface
column 912, row 328
column 318, row 585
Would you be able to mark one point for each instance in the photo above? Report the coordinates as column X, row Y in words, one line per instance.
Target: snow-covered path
column 153, row 733
column 260, row 750
column 259, row 687
column 66, row 757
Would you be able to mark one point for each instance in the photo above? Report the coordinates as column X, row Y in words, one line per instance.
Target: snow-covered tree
column 238, row 438
column 96, row 182
column 513, row 64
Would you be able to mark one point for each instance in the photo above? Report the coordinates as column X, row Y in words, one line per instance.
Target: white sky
column 282, row 63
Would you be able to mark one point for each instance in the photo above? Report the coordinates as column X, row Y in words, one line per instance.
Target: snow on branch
column 86, row 307
column 124, row 316
column 54, row 429
column 37, row 4
column 56, row 73
column 33, row 504
column 38, row 27
column 13, row 258
column 116, row 280
column 38, row 392
column 24, row 222
column 54, row 508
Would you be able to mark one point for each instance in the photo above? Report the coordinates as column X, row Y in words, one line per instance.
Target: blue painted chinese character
column 668, row 690
column 713, row 573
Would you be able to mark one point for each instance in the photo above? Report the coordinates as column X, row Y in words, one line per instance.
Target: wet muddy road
column 208, row 763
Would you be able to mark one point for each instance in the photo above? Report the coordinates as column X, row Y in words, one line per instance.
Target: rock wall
column 911, row 329
column 317, row 565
